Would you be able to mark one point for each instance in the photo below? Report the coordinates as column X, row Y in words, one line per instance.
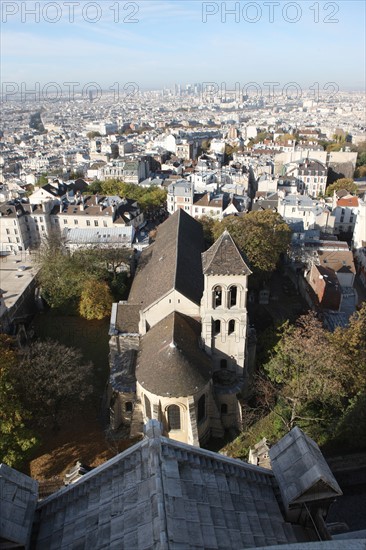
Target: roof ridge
column 177, row 248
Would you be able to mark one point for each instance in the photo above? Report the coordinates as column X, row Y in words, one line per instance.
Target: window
column 147, row 407
column 41, row 219
column 42, row 227
column 223, row 363
column 65, row 221
column 105, row 223
column 201, row 408
column 217, row 327
column 18, row 240
column 8, row 231
column 128, row 406
column 231, row 326
column 88, row 222
column 76, row 222
column 233, row 293
column 342, row 219
column 96, row 223
column 16, row 231
column 173, row 417
column 223, row 408
column 217, row 296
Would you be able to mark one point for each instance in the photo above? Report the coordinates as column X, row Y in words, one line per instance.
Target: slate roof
column 301, row 470
column 18, row 500
column 172, row 262
column 161, row 494
column 170, row 361
column 224, row 258
column 128, row 318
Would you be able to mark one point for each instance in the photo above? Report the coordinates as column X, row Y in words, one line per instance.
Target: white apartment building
column 312, row 174
column 345, row 213
column 303, row 213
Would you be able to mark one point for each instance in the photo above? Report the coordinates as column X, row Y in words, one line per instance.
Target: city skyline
column 157, row 44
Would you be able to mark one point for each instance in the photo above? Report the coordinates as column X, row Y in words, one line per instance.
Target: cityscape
column 182, row 275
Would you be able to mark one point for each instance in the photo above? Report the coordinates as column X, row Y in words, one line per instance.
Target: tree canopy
column 96, row 300
column 342, row 183
column 51, row 377
column 262, row 236
column 16, row 440
column 147, row 197
column 317, row 379
column 63, row 277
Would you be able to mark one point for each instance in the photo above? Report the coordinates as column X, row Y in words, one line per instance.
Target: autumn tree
column 96, row 300
column 53, row 379
column 16, row 439
column 59, row 276
column 262, row 236
column 342, row 183
column 305, row 375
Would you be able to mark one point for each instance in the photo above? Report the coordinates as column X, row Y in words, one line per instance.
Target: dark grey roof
column 301, row 470
column 18, row 500
column 172, row 262
column 170, row 361
column 162, row 494
column 224, row 258
column 128, row 317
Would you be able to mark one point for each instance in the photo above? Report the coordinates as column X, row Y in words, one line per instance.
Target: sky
column 156, row 43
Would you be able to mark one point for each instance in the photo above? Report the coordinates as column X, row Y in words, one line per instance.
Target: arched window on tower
column 147, row 407
column 217, row 297
column 231, row 328
column 201, row 408
column 173, row 417
column 217, row 327
column 233, row 296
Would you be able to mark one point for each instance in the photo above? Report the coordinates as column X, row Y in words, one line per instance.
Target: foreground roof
column 161, row 494
column 301, row 470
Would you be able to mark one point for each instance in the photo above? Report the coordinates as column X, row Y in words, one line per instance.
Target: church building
column 179, row 349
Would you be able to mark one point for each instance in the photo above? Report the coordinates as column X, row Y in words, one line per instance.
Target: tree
column 350, row 347
column 59, row 275
column 342, row 183
column 16, row 440
column 92, row 135
column 52, row 378
column 306, row 376
column 42, row 180
column 262, row 236
column 96, row 300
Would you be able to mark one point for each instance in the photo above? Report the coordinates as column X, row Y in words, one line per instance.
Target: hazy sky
column 157, row 43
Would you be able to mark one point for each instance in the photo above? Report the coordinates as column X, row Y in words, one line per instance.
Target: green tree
column 16, row 439
column 342, row 183
column 59, row 275
column 42, row 180
column 96, row 300
column 307, row 378
column 262, row 236
column 53, row 379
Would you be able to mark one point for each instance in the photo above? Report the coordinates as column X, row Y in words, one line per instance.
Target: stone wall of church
column 192, row 429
